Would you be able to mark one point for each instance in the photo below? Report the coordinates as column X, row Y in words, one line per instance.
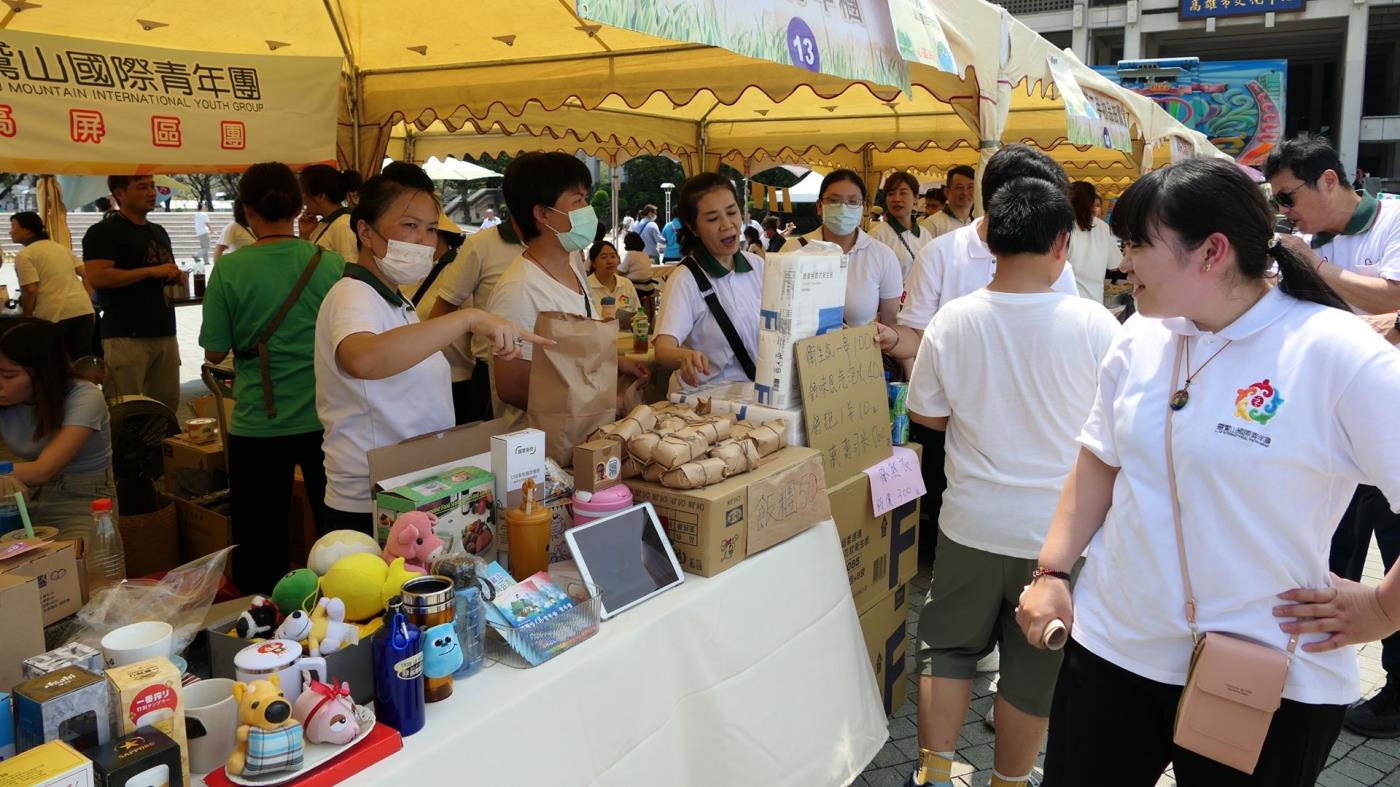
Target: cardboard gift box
column 460, row 494
column 193, row 469
column 715, row 527
column 55, row 566
column 144, row 757
column 71, row 705
column 55, row 764
column 597, row 465
column 886, row 630
column 22, row 620
column 150, row 693
column 882, row 552
column 804, row 295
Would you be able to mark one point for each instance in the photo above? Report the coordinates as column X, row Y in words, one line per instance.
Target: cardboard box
column 149, row 693
column 72, row 654
column 193, row 469
column 55, row 764
column 71, row 705
column 516, row 456
column 881, row 552
column 885, row 626
column 597, row 465
column 154, row 540
column 714, row 528
column 354, row 664
column 7, row 726
column 804, row 295
column 460, row 495
column 22, row 620
column 205, row 527
column 145, row 757
column 55, row 566
column 206, row 406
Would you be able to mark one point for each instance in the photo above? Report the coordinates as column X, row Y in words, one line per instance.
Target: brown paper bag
column 573, row 385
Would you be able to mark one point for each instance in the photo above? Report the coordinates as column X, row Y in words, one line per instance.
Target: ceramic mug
column 211, row 719
column 282, row 657
column 129, row 644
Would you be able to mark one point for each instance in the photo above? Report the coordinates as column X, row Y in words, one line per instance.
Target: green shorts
column 971, row 608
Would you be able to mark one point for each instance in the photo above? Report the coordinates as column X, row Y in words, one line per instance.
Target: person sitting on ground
column 51, row 283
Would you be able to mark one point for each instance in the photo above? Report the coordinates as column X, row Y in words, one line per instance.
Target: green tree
column 200, row 185
column 602, row 204
column 643, row 178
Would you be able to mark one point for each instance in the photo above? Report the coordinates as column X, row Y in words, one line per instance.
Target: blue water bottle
column 398, row 672
column 9, row 507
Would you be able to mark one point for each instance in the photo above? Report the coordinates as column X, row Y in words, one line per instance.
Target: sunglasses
column 1285, row 198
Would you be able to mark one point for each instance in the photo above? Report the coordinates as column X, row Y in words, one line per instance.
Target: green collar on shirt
column 359, row 273
column 715, row 270
column 1361, row 221
column 898, row 228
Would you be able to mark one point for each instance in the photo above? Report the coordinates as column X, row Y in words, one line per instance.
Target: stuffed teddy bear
column 329, row 631
column 258, row 620
column 326, row 712
column 268, row 739
column 412, row 538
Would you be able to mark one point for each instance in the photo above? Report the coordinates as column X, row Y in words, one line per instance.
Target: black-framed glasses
column 1285, row 198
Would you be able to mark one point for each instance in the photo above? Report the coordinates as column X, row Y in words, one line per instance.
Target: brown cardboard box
column 55, row 566
column 206, row 406
column 22, row 620
column 193, row 469
column 151, row 541
column 597, row 465
column 714, row 528
column 882, row 552
column 150, row 692
column 885, row 626
column 204, row 527
column 52, row 765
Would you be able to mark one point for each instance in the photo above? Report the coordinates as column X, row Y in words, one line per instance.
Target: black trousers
column 471, row 399
column 1111, row 726
column 935, row 481
column 1369, row 513
column 349, row 520
column 260, row 476
column 77, row 335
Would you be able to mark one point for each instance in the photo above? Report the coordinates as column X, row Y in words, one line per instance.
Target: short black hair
column 688, row 204
column 838, row 176
column 1307, row 156
column 380, row 191
column 597, row 249
column 271, row 191
column 770, row 222
column 32, row 222
column 1027, row 218
column 1017, row 161
column 327, row 181
column 115, row 182
column 540, row 179
column 897, row 179
column 937, row 193
column 964, row 170
column 633, row 242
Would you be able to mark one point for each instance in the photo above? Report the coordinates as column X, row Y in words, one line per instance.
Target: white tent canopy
column 449, row 168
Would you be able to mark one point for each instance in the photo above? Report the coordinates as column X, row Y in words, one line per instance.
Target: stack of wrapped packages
column 678, row 447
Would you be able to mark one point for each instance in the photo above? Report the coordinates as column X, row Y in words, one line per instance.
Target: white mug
column 129, row 644
column 211, row 719
column 281, row 657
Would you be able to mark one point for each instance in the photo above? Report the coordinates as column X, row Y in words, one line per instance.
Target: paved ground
column 1355, row 760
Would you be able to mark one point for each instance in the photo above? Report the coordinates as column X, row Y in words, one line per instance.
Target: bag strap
column 264, row 359
column 702, row 282
column 431, row 278
column 1176, row 513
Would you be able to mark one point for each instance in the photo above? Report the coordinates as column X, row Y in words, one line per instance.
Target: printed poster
column 1091, row 118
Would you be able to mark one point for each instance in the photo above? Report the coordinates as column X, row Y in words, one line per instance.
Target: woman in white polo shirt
column 900, row 230
column 1277, row 402
column 326, row 221
column 874, row 283
column 380, row 374
column 690, row 333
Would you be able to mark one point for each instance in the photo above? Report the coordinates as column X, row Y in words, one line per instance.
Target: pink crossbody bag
column 1235, row 684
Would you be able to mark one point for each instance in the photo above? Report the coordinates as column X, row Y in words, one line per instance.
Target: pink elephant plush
column 412, row 538
column 326, row 712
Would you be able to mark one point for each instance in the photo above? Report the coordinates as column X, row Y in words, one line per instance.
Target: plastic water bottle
column 106, row 558
column 9, row 507
column 470, row 625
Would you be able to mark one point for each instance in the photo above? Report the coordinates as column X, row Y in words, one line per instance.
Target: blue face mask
column 583, row 225
column 842, row 219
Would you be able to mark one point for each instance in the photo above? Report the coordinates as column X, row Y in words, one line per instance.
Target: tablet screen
column 626, row 556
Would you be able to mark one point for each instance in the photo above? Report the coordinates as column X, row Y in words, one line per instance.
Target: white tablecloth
column 757, row 676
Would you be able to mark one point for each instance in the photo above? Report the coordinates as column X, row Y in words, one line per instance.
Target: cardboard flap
column 432, row 449
column 786, row 503
column 1241, row 671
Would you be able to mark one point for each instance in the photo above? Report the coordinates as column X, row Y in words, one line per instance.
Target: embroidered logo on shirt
column 1258, row 403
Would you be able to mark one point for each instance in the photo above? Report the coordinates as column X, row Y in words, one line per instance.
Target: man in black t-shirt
column 128, row 261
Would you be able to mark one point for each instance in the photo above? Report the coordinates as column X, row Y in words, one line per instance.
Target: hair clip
column 1273, row 242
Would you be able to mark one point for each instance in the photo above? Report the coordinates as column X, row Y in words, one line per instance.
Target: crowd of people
column 1185, row 472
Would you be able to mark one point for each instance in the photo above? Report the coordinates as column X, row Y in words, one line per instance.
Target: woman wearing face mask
column 380, row 374
column 873, row 279
column 900, row 231
column 715, row 339
column 548, row 198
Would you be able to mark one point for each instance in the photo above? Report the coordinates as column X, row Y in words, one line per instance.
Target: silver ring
column 519, row 342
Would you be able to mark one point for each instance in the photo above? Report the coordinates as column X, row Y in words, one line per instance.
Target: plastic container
column 528, row 527
column 470, row 618
column 641, row 333
column 106, row 556
column 9, row 508
column 601, row 503
column 608, row 307
column 398, row 672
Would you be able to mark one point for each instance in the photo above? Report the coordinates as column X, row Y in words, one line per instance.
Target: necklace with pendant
column 1183, row 394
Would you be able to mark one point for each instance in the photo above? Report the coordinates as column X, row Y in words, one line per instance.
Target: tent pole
column 615, row 180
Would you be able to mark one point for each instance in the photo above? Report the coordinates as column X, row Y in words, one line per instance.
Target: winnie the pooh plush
column 268, row 739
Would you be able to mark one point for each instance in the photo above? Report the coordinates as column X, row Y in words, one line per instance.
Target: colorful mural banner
column 81, row 106
column 1203, row 9
column 1092, row 118
column 1238, row 105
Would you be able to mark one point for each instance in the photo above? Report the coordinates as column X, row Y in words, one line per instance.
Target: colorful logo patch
column 1258, row 403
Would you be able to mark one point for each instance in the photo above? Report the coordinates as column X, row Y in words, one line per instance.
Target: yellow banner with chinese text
column 86, row 107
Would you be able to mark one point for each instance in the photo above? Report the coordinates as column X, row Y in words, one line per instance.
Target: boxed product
column 737, row 399
column 55, row 764
column 881, row 552
column 597, row 465
column 885, row 626
column 804, row 295
column 71, row 705
column 713, row 528
column 516, row 456
column 193, row 469
column 459, row 494
column 74, row 654
column 7, row 726
column 22, row 620
column 149, row 693
column 145, row 758
column 55, row 565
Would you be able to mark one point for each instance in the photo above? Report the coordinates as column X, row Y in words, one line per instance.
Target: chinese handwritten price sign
column 895, row 481
column 844, row 401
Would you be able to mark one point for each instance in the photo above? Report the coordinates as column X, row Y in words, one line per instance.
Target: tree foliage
column 643, row 178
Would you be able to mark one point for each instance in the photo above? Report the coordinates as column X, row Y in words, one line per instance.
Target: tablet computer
column 627, row 556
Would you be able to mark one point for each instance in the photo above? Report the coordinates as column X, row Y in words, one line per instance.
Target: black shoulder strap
column 433, row 275
column 702, row 283
column 260, row 350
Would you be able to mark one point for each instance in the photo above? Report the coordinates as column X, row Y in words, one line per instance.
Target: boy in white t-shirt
column 1010, row 372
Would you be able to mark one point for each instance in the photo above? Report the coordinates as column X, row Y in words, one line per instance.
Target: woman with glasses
column 874, row 283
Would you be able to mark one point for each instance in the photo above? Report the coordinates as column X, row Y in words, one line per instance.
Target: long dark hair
column 1197, row 198
column 32, row 224
column 688, row 205
column 327, row 181
column 1081, row 197
column 37, row 345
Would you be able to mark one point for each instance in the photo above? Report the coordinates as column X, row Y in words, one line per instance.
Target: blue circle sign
column 802, row 46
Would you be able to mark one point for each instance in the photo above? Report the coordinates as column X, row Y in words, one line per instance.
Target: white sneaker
column 990, row 662
column 989, row 721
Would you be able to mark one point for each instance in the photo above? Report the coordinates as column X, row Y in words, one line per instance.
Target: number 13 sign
column 802, row 46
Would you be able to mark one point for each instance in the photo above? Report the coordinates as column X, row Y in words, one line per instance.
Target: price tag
column 895, row 481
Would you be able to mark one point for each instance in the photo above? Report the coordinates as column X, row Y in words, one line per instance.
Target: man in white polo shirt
column 957, row 211
column 1355, row 245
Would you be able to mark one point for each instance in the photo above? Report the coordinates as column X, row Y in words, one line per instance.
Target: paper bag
column 573, row 385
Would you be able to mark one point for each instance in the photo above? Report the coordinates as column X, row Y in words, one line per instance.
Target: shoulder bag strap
column 702, row 283
column 1176, row 511
column 431, row 278
column 261, row 350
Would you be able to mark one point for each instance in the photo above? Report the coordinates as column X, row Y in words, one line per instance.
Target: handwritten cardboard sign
column 895, row 481
column 844, row 401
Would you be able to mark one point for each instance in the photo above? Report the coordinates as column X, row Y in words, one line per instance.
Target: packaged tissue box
column 70, row 705
column 74, row 654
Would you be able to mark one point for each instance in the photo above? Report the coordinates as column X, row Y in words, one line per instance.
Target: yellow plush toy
column 357, row 580
column 399, row 573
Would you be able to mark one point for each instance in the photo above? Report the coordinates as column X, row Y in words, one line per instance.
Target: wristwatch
column 1042, row 571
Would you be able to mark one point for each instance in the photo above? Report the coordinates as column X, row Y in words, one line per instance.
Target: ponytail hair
column 326, row 181
column 1200, row 197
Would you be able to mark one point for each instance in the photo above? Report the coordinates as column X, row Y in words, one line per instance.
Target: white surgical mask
column 842, row 219
column 406, row 263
